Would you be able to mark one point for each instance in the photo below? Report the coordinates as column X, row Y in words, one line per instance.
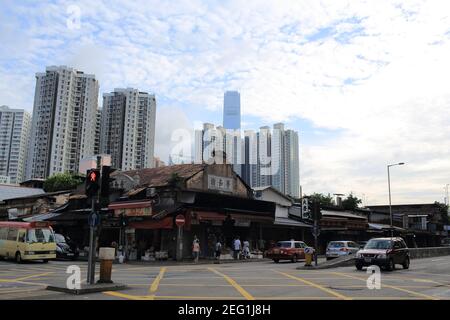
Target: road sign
column 94, row 219
column 316, row 231
column 179, row 220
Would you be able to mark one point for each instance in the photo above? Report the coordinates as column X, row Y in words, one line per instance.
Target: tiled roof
column 157, row 177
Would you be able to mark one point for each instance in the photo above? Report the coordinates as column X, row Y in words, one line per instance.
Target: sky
column 365, row 83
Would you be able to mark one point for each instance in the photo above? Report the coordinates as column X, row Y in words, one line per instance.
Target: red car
column 287, row 250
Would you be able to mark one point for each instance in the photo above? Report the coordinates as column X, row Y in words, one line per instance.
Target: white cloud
column 377, row 70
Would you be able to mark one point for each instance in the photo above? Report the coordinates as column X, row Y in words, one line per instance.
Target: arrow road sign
column 94, row 219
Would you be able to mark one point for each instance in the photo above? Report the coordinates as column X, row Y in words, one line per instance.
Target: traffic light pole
column 92, row 237
column 316, row 242
column 91, row 259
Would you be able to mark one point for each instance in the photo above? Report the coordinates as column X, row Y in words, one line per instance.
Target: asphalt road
column 426, row 279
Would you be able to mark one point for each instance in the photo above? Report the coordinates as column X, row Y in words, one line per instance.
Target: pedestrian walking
column 218, row 249
column 236, row 247
column 246, row 249
column 196, row 250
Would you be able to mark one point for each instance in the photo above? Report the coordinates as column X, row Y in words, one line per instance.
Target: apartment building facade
column 128, row 128
column 64, row 121
column 14, row 141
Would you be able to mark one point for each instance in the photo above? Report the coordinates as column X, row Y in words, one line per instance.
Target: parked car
column 362, row 244
column 445, row 242
column 287, row 250
column 383, row 252
column 65, row 248
column 336, row 249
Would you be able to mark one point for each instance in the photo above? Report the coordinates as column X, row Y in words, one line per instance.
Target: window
column 12, row 234
column 3, row 233
column 298, row 245
column 21, row 236
column 40, row 235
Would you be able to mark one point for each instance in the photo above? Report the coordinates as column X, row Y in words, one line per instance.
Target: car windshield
column 378, row 244
column 336, row 245
column 40, row 235
column 60, row 238
column 284, row 244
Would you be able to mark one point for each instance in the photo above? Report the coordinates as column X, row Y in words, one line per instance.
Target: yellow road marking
column 155, row 283
column 32, row 276
column 241, row 290
column 315, row 285
column 393, row 287
column 127, row 296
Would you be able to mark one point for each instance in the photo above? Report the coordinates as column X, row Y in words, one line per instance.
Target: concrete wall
column 417, row 253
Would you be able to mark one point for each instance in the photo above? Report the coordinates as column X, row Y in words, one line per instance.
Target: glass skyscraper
column 232, row 110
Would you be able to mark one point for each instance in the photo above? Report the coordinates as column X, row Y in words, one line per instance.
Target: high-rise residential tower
column 64, row 121
column 272, row 159
column 232, row 110
column 14, row 141
column 128, row 128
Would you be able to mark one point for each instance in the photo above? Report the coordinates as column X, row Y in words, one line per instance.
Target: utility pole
column 316, row 231
column 389, row 187
column 93, row 190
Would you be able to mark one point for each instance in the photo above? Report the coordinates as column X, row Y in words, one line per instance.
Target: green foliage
column 351, row 202
column 62, row 181
column 324, row 200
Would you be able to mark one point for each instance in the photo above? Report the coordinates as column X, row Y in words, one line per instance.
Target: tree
column 351, row 202
column 325, row 201
column 62, row 181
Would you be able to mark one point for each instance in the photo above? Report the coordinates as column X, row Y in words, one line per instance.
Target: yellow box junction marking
column 315, row 285
column 417, row 294
column 241, row 290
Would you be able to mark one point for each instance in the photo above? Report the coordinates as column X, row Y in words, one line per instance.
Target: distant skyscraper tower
column 128, row 128
column 232, row 110
column 64, row 121
column 14, row 139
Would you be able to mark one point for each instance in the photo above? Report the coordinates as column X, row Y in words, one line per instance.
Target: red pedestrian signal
column 92, row 182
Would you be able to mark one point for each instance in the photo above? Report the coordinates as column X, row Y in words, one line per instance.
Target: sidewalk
column 190, row 262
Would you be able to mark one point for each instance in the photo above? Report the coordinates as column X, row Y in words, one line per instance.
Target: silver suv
column 341, row 248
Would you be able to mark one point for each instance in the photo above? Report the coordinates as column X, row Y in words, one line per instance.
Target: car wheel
column 328, row 258
column 18, row 257
column 45, row 260
column 406, row 263
column 276, row 260
column 359, row 267
column 294, row 258
column 391, row 265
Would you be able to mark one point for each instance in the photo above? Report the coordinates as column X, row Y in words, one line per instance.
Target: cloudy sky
column 366, row 83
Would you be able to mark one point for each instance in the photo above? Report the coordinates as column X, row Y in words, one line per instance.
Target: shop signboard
column 134, row 212
column 130, row 230
column 242, row 223
column 220, row 183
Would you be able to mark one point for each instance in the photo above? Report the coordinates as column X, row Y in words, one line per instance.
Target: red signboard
column 179, row 220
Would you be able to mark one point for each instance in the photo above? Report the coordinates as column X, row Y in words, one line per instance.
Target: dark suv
column 383, row 252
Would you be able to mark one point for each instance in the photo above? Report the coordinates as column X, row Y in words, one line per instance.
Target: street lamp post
column 447, row 200
column 389, row 187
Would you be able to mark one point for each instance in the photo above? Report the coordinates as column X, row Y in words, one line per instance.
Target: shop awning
column 130, row 204
column 378, row 226
column 42, row 217
column 166, row 223
column 132, row 208
column 209, row 216
column 249, row 217
column 283, row 221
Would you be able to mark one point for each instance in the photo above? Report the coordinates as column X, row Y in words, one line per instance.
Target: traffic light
column 106, row 180
column 316, row 213
column 92, row 182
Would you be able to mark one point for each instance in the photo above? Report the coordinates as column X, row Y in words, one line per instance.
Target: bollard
column 106, row 256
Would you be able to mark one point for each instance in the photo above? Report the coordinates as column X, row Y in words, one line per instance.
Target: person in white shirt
column 237, row 247
column 246, row 249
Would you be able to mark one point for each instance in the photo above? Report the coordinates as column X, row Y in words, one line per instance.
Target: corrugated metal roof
column 12, row 191
column 341, row 214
